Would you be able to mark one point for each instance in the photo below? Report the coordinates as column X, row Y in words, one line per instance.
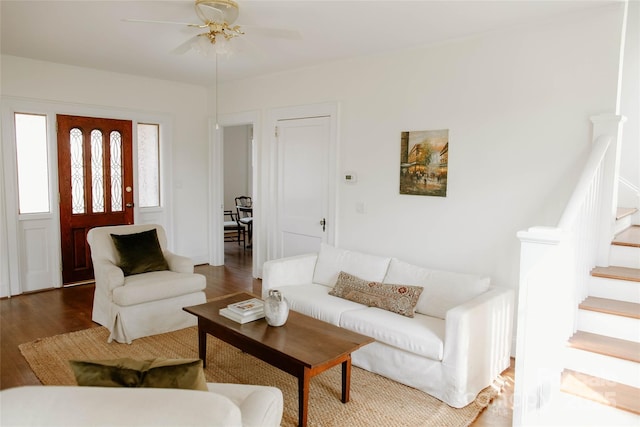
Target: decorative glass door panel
column 115, row 145
column 95, row 183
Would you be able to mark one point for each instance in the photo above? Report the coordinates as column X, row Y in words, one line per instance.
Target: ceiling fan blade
column 185, row 47
column 280, row 33
column 246, row 47
column 147, row 21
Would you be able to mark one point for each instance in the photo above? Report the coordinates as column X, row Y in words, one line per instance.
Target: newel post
column 542, row 323
column 608, row 125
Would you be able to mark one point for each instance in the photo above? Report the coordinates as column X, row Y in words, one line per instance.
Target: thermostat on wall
column 350, row 177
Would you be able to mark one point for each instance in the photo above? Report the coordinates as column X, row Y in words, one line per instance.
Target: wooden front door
column 95, row 176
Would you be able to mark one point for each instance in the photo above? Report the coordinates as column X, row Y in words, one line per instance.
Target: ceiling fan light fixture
column 202, row 46
column 217, row 10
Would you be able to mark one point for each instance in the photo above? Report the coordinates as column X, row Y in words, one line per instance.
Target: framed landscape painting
column 424, row 157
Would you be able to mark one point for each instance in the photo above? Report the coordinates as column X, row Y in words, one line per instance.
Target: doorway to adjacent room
column 238, row 182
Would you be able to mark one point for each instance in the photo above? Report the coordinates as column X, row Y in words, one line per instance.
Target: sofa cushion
column 443, row 290
column 139, row 252
column 421, row 335
column 332, row 260
column 314, row 301
column 152, row 373
column 399, row 299
column 157, row 285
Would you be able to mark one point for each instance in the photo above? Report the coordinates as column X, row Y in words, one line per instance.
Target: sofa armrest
column 477, row 343
column 261, row 406
column 178, row 263
column 108, row 275
column 295, row 270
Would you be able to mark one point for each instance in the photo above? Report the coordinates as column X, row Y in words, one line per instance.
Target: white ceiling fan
column 217, row 18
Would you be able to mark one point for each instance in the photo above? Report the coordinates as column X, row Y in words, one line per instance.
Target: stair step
column 620, row 273
column 602, row 366
column 568, row 410
column 624, row 212
column 607, row 346
column 628, row 237
column 610, row 306
column 615, row 283
column 625, row 218
column 621, row 327
column 606, row 392
column 624, row 256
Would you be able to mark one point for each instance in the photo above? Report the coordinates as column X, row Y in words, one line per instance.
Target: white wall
column 517, row 106
column 237, row 164
column 630, row 108
column 186, row 104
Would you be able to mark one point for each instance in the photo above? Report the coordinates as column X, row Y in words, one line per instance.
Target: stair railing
column 555, row 263
column 631, row 191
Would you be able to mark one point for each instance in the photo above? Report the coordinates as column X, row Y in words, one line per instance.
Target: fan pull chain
column 216, row 83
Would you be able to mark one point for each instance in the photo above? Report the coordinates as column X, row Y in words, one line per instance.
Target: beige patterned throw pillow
column 401, row 299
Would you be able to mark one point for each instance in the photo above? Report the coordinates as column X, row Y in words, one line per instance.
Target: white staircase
column 578, row 339
column 603, row 356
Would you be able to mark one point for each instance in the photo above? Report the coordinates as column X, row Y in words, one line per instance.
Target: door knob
column 323, row 223
column 129, row 205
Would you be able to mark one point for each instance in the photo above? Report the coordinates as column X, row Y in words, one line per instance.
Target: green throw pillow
column 401, row 299
column 152, row 373
column 139, row 252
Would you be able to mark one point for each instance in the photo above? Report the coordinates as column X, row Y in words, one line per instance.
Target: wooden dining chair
column 244, row 210
column 234, row 230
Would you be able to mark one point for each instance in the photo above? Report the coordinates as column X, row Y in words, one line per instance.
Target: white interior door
column 303, row 184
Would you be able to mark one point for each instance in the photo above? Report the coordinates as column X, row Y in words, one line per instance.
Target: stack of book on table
column 244, row 311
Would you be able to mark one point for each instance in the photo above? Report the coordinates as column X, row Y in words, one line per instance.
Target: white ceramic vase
column 276, row 308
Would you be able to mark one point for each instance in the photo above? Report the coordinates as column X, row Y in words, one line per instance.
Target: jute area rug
column 375, row 400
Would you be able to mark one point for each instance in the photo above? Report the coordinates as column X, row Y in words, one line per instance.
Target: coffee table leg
column 303, row 397
column 346, row 379
column 202, row 346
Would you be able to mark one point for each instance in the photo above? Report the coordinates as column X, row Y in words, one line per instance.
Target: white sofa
column 224, row 405
column 144, row 304
column 457, row 343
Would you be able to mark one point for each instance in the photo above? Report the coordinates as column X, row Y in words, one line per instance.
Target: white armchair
column 142, row 304
column 239, row 405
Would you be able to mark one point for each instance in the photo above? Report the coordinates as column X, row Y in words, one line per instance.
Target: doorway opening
column 238, row 183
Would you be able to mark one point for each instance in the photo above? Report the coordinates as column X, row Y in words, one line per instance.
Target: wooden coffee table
column 303, row 347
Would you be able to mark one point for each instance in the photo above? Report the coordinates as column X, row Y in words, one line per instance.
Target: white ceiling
column 92, row 33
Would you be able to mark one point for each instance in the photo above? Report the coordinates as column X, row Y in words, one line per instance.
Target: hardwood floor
column 27, row 317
